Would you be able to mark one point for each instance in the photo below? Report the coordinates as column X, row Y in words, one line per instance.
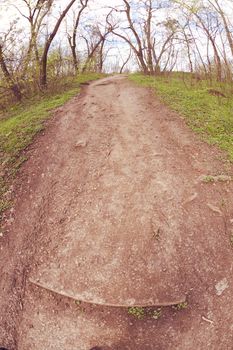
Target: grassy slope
column 211, row 116
column 21, row 124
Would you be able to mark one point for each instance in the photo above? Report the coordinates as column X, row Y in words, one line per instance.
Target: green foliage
column 209, row 115
column 23, row 122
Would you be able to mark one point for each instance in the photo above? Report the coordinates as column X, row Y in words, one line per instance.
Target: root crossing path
column 115, row 212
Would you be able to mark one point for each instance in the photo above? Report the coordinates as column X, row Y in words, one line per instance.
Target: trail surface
column 113, row 212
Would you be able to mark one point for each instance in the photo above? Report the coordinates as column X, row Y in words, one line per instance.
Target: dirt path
column 113, row 212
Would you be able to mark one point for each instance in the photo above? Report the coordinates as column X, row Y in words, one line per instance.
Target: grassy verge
column 206, row 111
column 22, row 123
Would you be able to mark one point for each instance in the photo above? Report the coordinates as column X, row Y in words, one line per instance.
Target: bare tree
column 72, row 39
column 44, row 58
column 208, row 22
column 136, row 43
column 95, row 38
column 125, row 61
column 141, row 33
column 218, row 8
column 7, row 41
column 37, row 11
column 211, row 36
column 13, row 86
column 197, row 35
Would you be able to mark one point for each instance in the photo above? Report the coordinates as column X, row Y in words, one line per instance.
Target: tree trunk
column 43, row 70
column 101, row 57
column 224, row 19
column 10, row 82
column 75, row 59
column 125, row 63
column 188, row 51
column 91, row 52
column 139, row 50
column 148, row 39
column 72, row 39
column 44, row 58
column 214, row 46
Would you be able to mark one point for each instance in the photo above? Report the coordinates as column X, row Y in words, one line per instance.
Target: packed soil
column 119, row 205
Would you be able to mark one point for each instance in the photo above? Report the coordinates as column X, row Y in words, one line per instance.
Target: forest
column 44, row 42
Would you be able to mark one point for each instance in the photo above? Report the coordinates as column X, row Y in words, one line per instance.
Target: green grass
column 208, row 179
column 22, row 122
column 137, row 312
column 181, row 306
column 209, row 115
column 141, row 312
